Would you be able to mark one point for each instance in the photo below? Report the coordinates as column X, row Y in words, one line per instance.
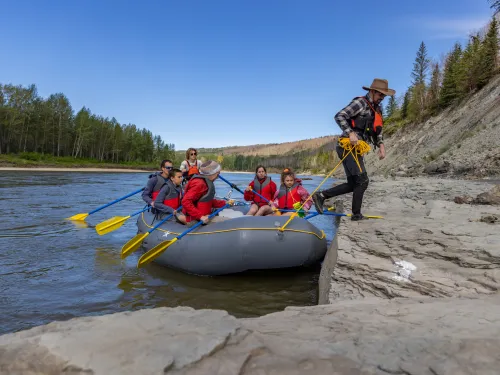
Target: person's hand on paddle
column 381, row 151
column 204, row 219
column 230, row 202
column 353, row 137
column 249, row 188
column 152, row 204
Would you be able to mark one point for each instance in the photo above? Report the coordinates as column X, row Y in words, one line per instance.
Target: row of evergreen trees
column 31, row 124
column 436, row 86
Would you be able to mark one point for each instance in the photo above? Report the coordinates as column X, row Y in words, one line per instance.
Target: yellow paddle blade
column 110, row 225
column 154, row 252
column 368, row 217
column 78, row 217
column 133, row 244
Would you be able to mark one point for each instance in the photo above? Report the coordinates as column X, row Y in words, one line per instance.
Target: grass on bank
column 34, row 159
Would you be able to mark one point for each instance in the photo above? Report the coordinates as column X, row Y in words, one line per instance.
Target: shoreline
column 114, row 170
column 76, row 169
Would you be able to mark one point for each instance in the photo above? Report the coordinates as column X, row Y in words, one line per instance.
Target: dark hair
column 259, row 167
column 286, row 172
column 165, row 161
column 173, row 171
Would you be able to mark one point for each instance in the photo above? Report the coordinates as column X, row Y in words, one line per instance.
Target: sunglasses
column 193, row 153
column 167, row 167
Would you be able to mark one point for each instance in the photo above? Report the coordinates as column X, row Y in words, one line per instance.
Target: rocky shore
column 413, row 293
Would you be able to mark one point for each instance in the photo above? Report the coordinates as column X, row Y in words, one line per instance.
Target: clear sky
column 208, row 73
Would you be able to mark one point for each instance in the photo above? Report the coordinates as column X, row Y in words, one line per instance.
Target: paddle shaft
column 116, row 201
column 201, row 222
column 163, row 220
column 236, row 187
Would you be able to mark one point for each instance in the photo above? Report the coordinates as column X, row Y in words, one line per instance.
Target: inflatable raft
column 237, row 244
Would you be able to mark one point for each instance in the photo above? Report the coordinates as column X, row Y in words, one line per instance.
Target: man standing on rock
column 360, row 120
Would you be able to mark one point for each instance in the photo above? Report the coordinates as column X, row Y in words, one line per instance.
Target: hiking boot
column 358, row 217
column 318, row 202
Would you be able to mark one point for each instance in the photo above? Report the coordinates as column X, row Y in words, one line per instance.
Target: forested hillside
column 37, row 128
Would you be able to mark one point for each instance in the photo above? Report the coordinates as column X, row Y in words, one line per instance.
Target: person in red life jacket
column 263, row 185
column 191, row 165
column 291, row 192
column 360, row 120
column 199, row 194
column 169, row 198
column 155, row 182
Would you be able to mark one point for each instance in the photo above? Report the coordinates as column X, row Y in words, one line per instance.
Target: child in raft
column 169, row 198
column 263, row 185
column 290, row 193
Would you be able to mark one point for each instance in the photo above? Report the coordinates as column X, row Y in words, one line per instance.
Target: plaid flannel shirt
column 357, row 106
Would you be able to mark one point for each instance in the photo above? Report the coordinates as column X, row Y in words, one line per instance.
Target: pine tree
column 488, row 59
column 468, row 68
column 449, row 90
column 495, row 5
column 420, row 66
column 392, row 107
column 406, row 103
column 434, row 89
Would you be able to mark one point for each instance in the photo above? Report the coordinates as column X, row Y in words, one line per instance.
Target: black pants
column 357, row 181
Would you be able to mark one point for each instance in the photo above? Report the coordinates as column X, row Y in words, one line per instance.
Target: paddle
column 133, row 244
column 114, row 223
column 82, row 217
column 162, row 246
column 236, row 187
column 253, row 191
column 313, row 214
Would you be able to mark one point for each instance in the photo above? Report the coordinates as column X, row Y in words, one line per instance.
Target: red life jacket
column 160, row 181
column 368, row 126
column 264, row 189
column 173, row 197
column 191, row 169
column 287, row 197
column 204, row 204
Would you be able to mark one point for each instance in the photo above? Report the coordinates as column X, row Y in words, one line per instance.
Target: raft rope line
column 323, row 235
column 360, row 149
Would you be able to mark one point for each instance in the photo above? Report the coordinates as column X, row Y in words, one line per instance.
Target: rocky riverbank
column 427, row 245
column 438, row 245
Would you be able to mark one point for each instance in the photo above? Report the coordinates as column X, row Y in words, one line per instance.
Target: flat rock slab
column 426, row 245
column 434, row 336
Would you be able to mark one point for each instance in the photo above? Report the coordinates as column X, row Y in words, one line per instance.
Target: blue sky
column 224, row 72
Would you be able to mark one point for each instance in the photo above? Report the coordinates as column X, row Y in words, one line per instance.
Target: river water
column 51, row 269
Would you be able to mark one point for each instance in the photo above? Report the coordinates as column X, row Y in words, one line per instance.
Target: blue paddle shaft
column 163, row 220
column 116, row 201
column 201, row 222
column 138, row 212
column 235, row 187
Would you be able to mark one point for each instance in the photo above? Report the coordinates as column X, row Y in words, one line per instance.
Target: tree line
column 436, row 86
column 30, row 124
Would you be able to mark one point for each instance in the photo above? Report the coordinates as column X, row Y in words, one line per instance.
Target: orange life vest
column 191, row 169
column 368, row 126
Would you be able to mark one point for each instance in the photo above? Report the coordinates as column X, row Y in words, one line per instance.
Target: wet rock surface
column 370, row 336
column 426, row 245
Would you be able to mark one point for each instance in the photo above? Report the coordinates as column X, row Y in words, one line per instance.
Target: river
column 52, row 269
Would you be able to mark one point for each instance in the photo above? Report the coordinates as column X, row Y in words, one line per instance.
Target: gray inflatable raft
column 236, row 245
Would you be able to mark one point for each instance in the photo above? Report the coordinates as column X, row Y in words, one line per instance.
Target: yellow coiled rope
column 357, row 150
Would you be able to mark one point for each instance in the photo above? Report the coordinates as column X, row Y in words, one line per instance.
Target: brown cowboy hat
column 381, row 85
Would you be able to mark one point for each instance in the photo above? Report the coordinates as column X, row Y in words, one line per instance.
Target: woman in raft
column 169, row 198
column 291, row 194
column 263, row 185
